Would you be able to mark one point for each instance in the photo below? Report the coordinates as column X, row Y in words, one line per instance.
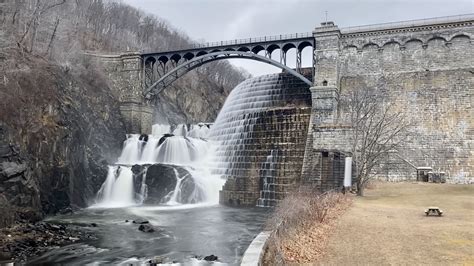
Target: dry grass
column 302, row 223
column 388, row 227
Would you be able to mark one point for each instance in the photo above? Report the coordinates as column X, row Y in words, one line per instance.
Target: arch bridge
column 164, row 67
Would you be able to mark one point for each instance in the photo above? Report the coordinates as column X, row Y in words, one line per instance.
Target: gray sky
column 218, row 20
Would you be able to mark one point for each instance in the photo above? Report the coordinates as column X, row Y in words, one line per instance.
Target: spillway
column 262, row 116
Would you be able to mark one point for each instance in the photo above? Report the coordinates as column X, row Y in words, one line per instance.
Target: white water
column 267, row 194
column 158, row 130
column 176, row 193
column 192, row 154
column 117, row 190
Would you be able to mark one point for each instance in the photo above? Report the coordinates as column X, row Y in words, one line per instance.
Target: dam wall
column 425, row 68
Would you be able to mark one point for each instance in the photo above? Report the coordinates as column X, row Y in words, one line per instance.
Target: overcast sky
column 218, row 20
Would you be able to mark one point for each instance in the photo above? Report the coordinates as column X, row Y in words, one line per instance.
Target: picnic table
column 433, row 210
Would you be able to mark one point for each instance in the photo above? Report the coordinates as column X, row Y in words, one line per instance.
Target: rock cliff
column 59, row 129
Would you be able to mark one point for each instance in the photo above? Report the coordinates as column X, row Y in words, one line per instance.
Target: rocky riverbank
column 25, row 240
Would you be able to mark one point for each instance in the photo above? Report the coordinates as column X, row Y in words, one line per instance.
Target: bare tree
column 378, row 127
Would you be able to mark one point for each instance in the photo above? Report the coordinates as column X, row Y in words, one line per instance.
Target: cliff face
column 59, row 129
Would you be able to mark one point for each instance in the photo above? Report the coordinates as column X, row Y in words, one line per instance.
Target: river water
column 183, row 233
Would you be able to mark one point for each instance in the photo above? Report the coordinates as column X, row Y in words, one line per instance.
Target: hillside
column 60, row 125
column 61, row 30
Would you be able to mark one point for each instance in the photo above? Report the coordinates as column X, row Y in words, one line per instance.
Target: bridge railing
column 281, row 37
column 408, row 23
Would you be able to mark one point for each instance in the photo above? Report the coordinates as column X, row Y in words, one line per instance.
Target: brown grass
column 301, row 224
column 388, row 227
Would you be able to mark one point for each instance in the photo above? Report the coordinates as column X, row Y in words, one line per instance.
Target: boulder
column 140, row 221
column 10, row 169
column 146, row 228
column 160, row 181
column 211, row 258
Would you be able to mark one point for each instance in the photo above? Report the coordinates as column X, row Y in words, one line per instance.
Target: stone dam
column 291, row 133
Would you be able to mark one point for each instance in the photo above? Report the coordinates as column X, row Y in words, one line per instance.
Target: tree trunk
column 360, row 188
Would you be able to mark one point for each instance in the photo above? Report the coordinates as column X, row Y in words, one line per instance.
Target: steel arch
column 187, row 66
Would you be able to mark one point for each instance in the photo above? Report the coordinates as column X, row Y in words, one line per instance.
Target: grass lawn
column 388, row 226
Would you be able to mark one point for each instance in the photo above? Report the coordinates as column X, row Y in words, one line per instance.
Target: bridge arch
column 198, row 61
column 188, row 56
column 303, row 45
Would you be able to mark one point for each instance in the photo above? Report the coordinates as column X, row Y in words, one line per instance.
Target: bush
column 296, row 214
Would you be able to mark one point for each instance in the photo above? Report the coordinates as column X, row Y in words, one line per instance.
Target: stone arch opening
column 244, row 49
column 257, row 49
column 188, row 56
column 303, row 45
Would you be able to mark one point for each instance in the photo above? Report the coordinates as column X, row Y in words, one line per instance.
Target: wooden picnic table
column 433, row 210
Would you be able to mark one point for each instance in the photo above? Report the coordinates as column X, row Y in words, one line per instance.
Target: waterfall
column 245, row 134
column 143, row 188
column 131, row 151
column 267, row 194
column 190, row 153
column 181, row 130
column 174, row 150
column 199, row 131
column 212, row 154
column 158, row 130
column 176, row 193
column 117, row 190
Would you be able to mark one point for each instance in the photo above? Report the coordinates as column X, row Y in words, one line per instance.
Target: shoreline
column 24, row 240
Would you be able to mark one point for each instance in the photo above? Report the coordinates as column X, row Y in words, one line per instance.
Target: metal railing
column 408, row 23
column 281, row 37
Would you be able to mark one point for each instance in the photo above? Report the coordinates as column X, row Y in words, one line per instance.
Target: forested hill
column 60, row 125
column 61, row 30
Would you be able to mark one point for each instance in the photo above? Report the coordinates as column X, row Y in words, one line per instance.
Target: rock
column 54, row 227
column 93, row 224
column 140, row 221
column 5, row 151
column 161, row 180
column 211, row 258
column 165, row 136
column 147, row 228
column 157, row 260
column 5, row 255
column 143, row 137
column 10, row 169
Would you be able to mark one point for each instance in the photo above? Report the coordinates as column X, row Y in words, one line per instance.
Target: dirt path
column 388, row 227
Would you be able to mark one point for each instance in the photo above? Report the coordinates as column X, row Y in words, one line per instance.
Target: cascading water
column 199, row 131
column 190, row 153
column 267, row 194
column 117, row 190
column 244, row 132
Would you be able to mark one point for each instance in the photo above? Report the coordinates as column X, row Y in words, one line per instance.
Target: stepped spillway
column 263, row 115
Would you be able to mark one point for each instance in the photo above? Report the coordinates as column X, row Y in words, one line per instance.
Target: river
column 183, row 233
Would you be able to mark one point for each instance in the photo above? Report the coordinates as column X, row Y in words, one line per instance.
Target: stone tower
column 125, row 74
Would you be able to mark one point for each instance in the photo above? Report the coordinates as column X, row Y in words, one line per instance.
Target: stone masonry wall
column 426, row 69
column 124, row 73
column 283, row 131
